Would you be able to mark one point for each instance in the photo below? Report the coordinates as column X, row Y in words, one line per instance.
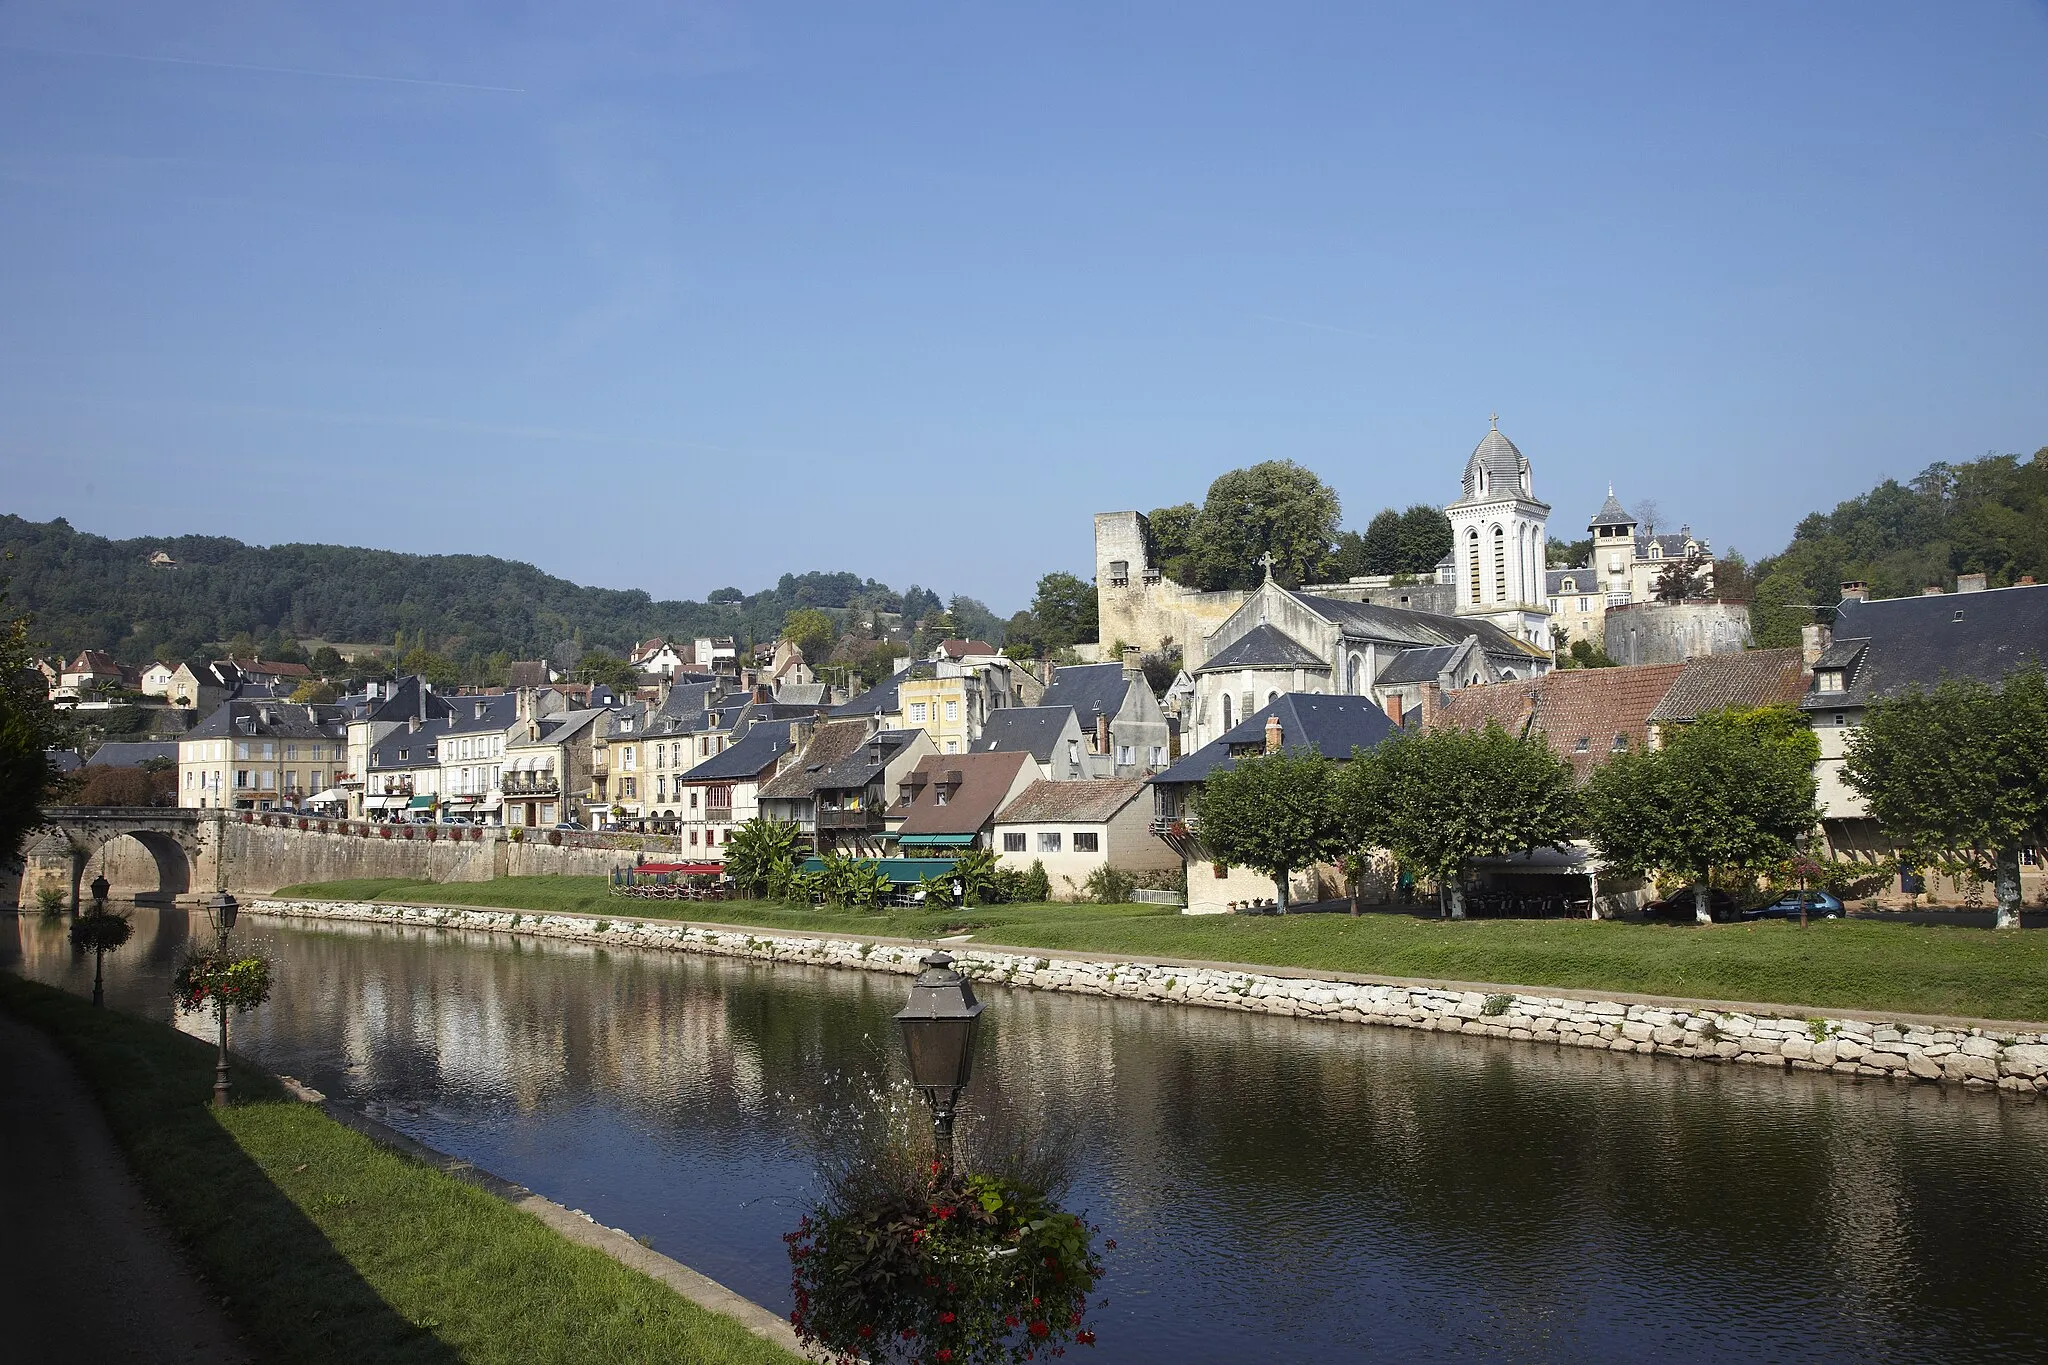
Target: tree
column 1275, row 507
column 1586, row 654
column 1681, row 580
column 27, row 729
column 754, row 851
column 723, row 597
column 1734, row 789
column 1569, row 554
column 604, row 669
column 317, row 691
column 326, row 661
column 1441, row 798
column 810, row 630
column 1647, row 514
column 1776, row 619
column 1063, row 611
column 1381, row 548
column 1954, row 776
column 1276, row 813
column 436, row 669
column 1425, row 539
column 98, row 786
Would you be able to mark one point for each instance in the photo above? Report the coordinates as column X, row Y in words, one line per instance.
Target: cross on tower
column 1267, row 560
column 1494, row 418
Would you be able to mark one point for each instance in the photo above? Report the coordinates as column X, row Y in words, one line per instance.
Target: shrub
column 50, row 898
column 518, row 834
column 1496, row 1005
column 1108, row 886
column 554, row 838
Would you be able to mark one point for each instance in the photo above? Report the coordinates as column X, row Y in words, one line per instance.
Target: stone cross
column 1267, row 560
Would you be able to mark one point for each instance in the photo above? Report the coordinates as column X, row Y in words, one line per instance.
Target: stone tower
column 1499, row 535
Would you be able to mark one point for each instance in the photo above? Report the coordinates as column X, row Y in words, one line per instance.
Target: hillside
column 87, row 591
column 1986, row 516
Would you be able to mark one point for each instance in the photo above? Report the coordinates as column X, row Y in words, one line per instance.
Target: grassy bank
column 329, row 1247
column 1846, row 964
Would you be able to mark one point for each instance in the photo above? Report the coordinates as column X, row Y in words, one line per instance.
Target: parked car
column 1720, row 905
column 573, row 826
column 455, row 820
column 1819, row 905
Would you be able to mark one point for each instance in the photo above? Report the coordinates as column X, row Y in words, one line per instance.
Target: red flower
column 866, row 1331
column 1085, row 1338
column 945, row 1353
column 1074, row 1320
column 1038, row 1329
column 1111, row 1244
column 946, row 1316
column 1009, row 1319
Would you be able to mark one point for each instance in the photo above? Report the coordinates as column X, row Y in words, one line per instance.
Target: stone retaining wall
column 1842, row 1045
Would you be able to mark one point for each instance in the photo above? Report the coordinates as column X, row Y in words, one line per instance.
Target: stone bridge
column 180, row 843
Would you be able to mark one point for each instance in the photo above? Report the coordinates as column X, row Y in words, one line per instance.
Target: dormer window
column 1828, row 680
column 1620, row 744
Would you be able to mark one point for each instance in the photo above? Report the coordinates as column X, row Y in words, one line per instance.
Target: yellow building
column 939, row 706
column 261, row 755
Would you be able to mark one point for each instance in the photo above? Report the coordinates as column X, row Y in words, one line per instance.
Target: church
column 1281, row 640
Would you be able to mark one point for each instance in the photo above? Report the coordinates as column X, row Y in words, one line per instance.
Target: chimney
column 1046, row 670
column 1931, row 590
column 1813, row 642
column 1528, row 712
column 1101, row 733
column 1855, row 591
column 412, row 724
column 1970, row 582
column 1432, row 701
column 1393, row 707
column 2026, row 580
column 761, row 693
column 1275, row 737
column 1132, row 669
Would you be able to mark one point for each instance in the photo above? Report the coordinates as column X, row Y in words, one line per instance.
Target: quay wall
column 1858, row 1045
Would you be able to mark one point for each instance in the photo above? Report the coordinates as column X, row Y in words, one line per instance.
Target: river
column 1278, row 1190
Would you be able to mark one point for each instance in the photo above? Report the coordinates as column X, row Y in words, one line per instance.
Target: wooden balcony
column 866, row 820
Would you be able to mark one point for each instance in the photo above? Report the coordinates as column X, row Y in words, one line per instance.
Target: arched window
column 1500, row 565
column 1272, row 697
column 1226, row 711
column 1472, row 562
column 1356, row 683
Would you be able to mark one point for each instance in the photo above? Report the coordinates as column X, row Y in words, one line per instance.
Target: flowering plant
column 239, row 983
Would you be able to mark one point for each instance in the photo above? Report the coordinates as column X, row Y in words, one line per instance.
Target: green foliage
column 1734, row 789
column 811, row 631
column 217, row 975
column 1276, row 813
column 1568, row 554
column 1439, row 799
column 50, row 899
column 1410, row 542
column 28, row 727
column 1275, row 507
column 100, row 930
column 1063, row 613
column 100, row 786
column 1955, row 775
column 604, row 669
column 1109, row 886
column 845, row 881
column 755, row 850
column 1032, row 885
column 1585, row 654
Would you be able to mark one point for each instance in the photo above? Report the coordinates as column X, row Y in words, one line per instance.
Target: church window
column 1472, row 558
column 1226, row 710
column 1272, row 697
column 1500, row 565
column 1357, row 675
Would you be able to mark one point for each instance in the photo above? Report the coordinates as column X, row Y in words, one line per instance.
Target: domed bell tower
column 1499, row 534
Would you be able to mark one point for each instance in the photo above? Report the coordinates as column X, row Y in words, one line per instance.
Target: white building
column 1499, row 536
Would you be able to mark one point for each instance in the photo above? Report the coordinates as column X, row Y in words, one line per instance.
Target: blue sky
column 680, row 296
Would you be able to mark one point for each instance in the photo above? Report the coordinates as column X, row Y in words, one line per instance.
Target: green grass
column 329, row 1247
column 1845, row 964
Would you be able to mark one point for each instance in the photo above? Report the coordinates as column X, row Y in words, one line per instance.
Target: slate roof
column 1585, row 581
column 985, row 780
column 131, row 753
column 829, row 744
column 860, row 767
column 1611, row 513
column 63, row 761
column 410, row 696
column 273, row 719
column 1263, row 646
column 527, row 673
column 1416, row 665
column 1077, row 802
column 1568, row 707
column 1399, row 625
column 1760, row 677
column 1505, row 465
column 881, row 697
column 1033, row 730
column 1922, row 640
column 1332, row 726
column 1085, row 688
column 743, row 758
column 809, row 695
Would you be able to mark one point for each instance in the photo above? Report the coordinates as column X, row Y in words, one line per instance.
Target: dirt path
column 87, row 1270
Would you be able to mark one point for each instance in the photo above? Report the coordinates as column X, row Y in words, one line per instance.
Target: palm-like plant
column 755, row 849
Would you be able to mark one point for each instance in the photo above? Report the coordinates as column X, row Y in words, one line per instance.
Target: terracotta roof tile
column 1579, row 711
column 1082, row 801
column 1760, row 677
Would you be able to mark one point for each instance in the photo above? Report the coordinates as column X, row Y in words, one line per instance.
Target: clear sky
column 679, row 296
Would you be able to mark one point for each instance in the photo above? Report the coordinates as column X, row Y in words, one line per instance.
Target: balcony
column 530, row 784
column 871, row 821
column 718, row 815
column 1172, row 826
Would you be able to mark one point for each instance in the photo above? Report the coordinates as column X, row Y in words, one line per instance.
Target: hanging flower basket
column 432, row 835
column 210, row 975
column 384, row 830
column 248, row 818
column 554, row 838
column 407, row 831
column 980, row 1270
column 304, row 823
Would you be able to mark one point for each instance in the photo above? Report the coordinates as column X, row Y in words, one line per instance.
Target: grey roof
column 1611, row 513
column 867, row 761
column 881, row 697
column 273, row 719
column 811, row 695
column 1584, row 581
column 1670, row 545
column 1263, row 646
column 743, row 758
column 63, row 761
column 1417, row 665
column 1506, row 470
column 1087, row 688
column 1332, row 726
column 556, row 728
column 410, row 696
column 1920, row 641
column 829, row 743
column 685, row 711
column 407, row 748
column 1033, row 730
column 1401, row 626
column 130, row 753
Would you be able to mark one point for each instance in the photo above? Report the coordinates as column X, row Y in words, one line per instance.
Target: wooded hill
column 88, row 592
column 1987, row 516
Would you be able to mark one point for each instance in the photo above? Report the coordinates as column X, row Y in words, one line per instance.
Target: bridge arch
column 77, row 841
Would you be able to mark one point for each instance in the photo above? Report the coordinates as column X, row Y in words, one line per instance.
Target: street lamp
column 939, row 1023
column 221, row 908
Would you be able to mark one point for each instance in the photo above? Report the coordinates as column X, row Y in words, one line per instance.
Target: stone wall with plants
column 1841, row 1044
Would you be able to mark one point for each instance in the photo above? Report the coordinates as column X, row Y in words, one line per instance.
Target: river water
column 1279, row 1190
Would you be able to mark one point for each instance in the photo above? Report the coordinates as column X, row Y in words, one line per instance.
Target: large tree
column 27, row 729
column 811, row 631
column 1275, row 507
column 1440, row 799
column 1955, row 776
column 1276, row 813
column 1734, row 789
column 1063, row 611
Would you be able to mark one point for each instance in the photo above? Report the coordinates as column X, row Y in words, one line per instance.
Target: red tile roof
column 1579, row 711
column 1759, row 677
column 986, row 781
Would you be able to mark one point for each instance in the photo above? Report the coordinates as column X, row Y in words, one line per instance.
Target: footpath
column 88, row 1272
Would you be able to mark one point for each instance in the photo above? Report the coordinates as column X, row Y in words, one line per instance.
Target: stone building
column 1137, row 605
column 1672, row 632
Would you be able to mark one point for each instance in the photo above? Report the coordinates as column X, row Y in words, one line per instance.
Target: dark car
column 1720, row 905
column 1819, row 905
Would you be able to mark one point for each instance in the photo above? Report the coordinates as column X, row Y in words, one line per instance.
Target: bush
column 51, row 899
column 1108, row 886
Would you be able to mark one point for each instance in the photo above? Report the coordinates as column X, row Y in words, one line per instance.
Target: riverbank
column 328, row 1246
column 2011, row 1057
column 1845, row 965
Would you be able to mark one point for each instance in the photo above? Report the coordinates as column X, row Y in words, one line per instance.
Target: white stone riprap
column 1973, row 1057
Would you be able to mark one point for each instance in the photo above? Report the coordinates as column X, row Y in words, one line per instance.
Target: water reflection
column 1280, row 1190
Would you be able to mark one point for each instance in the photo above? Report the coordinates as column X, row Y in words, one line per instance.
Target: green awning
column 421, row 803
column 937, row 840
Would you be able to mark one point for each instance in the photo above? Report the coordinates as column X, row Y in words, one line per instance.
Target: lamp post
column 221, row 908
column 939, row 1023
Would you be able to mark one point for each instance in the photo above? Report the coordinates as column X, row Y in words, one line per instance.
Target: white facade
column 1500, row 538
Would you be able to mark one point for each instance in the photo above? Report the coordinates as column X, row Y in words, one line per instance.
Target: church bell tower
column 1499, row 538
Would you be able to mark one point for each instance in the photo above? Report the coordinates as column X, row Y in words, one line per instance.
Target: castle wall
column 1142, row 607
column 1671, row 633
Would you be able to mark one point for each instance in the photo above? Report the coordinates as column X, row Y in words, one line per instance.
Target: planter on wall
column 554, row 838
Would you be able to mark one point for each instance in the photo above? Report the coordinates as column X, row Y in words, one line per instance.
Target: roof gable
column 1093, row 802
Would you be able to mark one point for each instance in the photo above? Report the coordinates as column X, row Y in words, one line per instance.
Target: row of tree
column 1953, row 775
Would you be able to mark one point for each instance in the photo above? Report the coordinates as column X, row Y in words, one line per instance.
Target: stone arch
column 170, row 862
